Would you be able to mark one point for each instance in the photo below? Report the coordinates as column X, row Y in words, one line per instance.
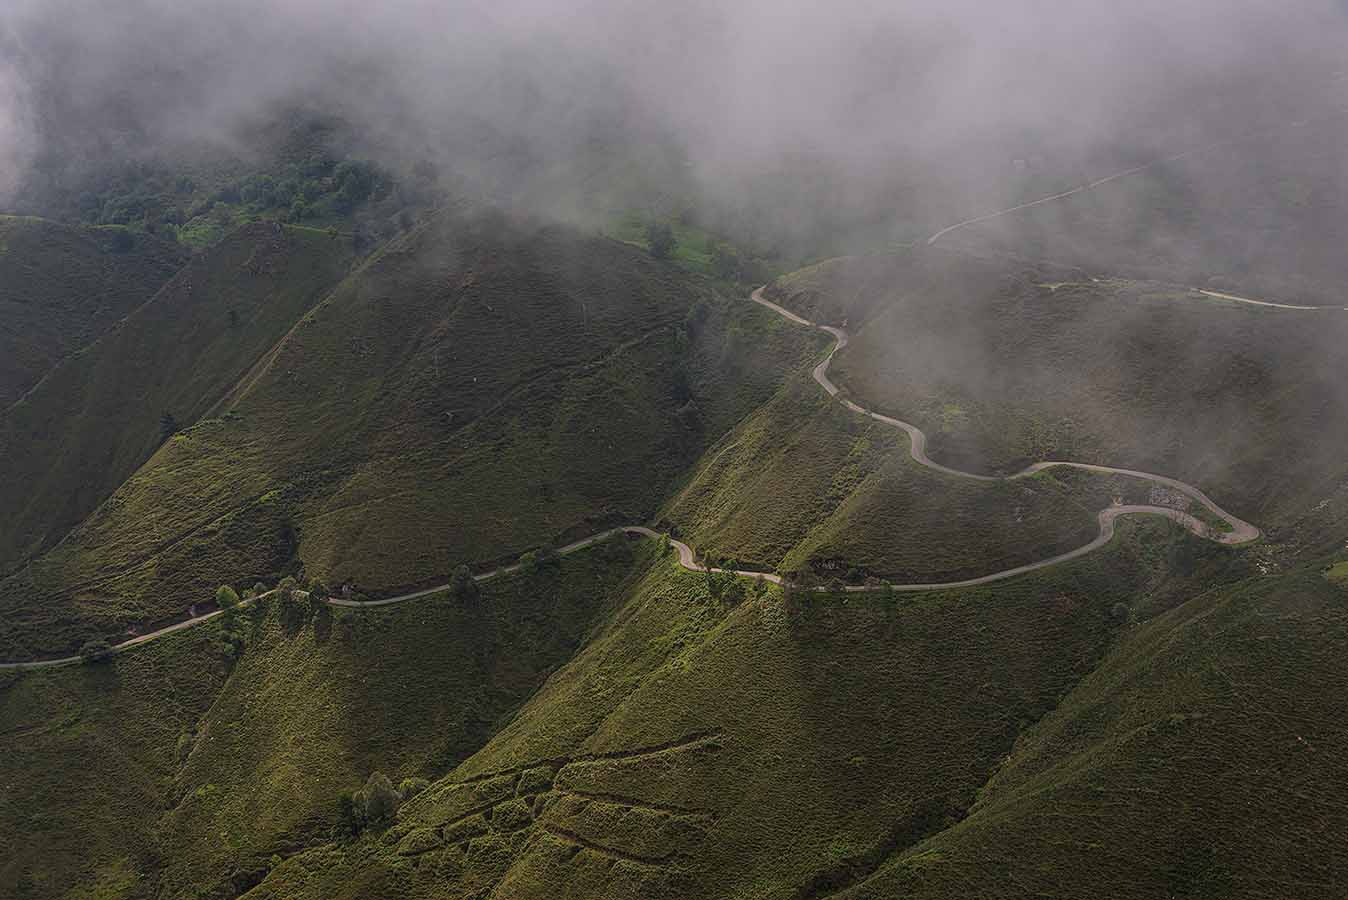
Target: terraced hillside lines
column 565, row 799
column 61, row 287
column 697, row 749
column 182, row 771
column 1241, row 531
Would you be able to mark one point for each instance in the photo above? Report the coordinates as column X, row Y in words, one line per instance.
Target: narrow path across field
column 1241, row 531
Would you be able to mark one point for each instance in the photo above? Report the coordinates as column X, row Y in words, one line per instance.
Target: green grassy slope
column 61, row 287
column 89, row 755
column 1200, row 760
column 97, row 416
column 691, row 750
column 1002, row 364
column 168, row 773
column 548, row 382
column 804, row 482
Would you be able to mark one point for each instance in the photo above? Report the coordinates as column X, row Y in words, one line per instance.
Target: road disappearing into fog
column 1241, row 531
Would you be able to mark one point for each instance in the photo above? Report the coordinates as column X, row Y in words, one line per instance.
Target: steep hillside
column 101, row 413
column 804, row 483
column 546, row 381
column 693, row 750
column 89, row 755
column 173, row 772
column 1003, row 363
column 1199, row 760
column 61, row 287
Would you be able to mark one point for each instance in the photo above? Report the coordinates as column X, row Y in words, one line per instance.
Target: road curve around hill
column 1241, row 531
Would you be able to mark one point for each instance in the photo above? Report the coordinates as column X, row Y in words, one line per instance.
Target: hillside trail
column 1241, row 531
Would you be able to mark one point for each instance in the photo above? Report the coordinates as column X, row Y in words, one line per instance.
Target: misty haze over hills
column 611, row 451
column 899, row 116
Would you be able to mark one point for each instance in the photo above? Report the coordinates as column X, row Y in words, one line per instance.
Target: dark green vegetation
column 306, row 180
column 62, row 287
column 101, row 413
column 549, row 382
column 1235, row 701
column 1002, row 364
column 695, row 248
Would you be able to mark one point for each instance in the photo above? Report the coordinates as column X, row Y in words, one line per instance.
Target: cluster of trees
column 728, row 264
column 535, row 561
column 463, row 588
column 317, row 187
column 95, row 650
column 727, row 261
column 803, row 587
column 297, row 609
column 374, row 804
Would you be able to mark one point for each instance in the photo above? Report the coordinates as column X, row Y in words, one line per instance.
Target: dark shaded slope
column 99, row 415
column 479, row 388
column 61, row 287
column 1202, row 759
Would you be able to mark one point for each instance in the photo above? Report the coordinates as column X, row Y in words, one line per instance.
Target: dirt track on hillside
column 1241, row 531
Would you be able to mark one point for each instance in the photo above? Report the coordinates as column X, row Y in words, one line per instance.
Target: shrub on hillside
column 318, row 596
column 463, row 588
column 379, row 799
column 374, row 803
column 226, row 597
column 534, row 561
column 95, row 650
column 410, row 787
column 726, row 262
column 798, row 589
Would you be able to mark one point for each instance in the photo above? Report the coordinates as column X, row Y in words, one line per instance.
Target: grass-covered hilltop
column 838, row 451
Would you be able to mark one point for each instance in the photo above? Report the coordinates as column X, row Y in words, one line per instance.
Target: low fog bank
column 822, row 122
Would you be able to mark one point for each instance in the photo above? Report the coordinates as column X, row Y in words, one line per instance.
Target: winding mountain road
column 1241, row 531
